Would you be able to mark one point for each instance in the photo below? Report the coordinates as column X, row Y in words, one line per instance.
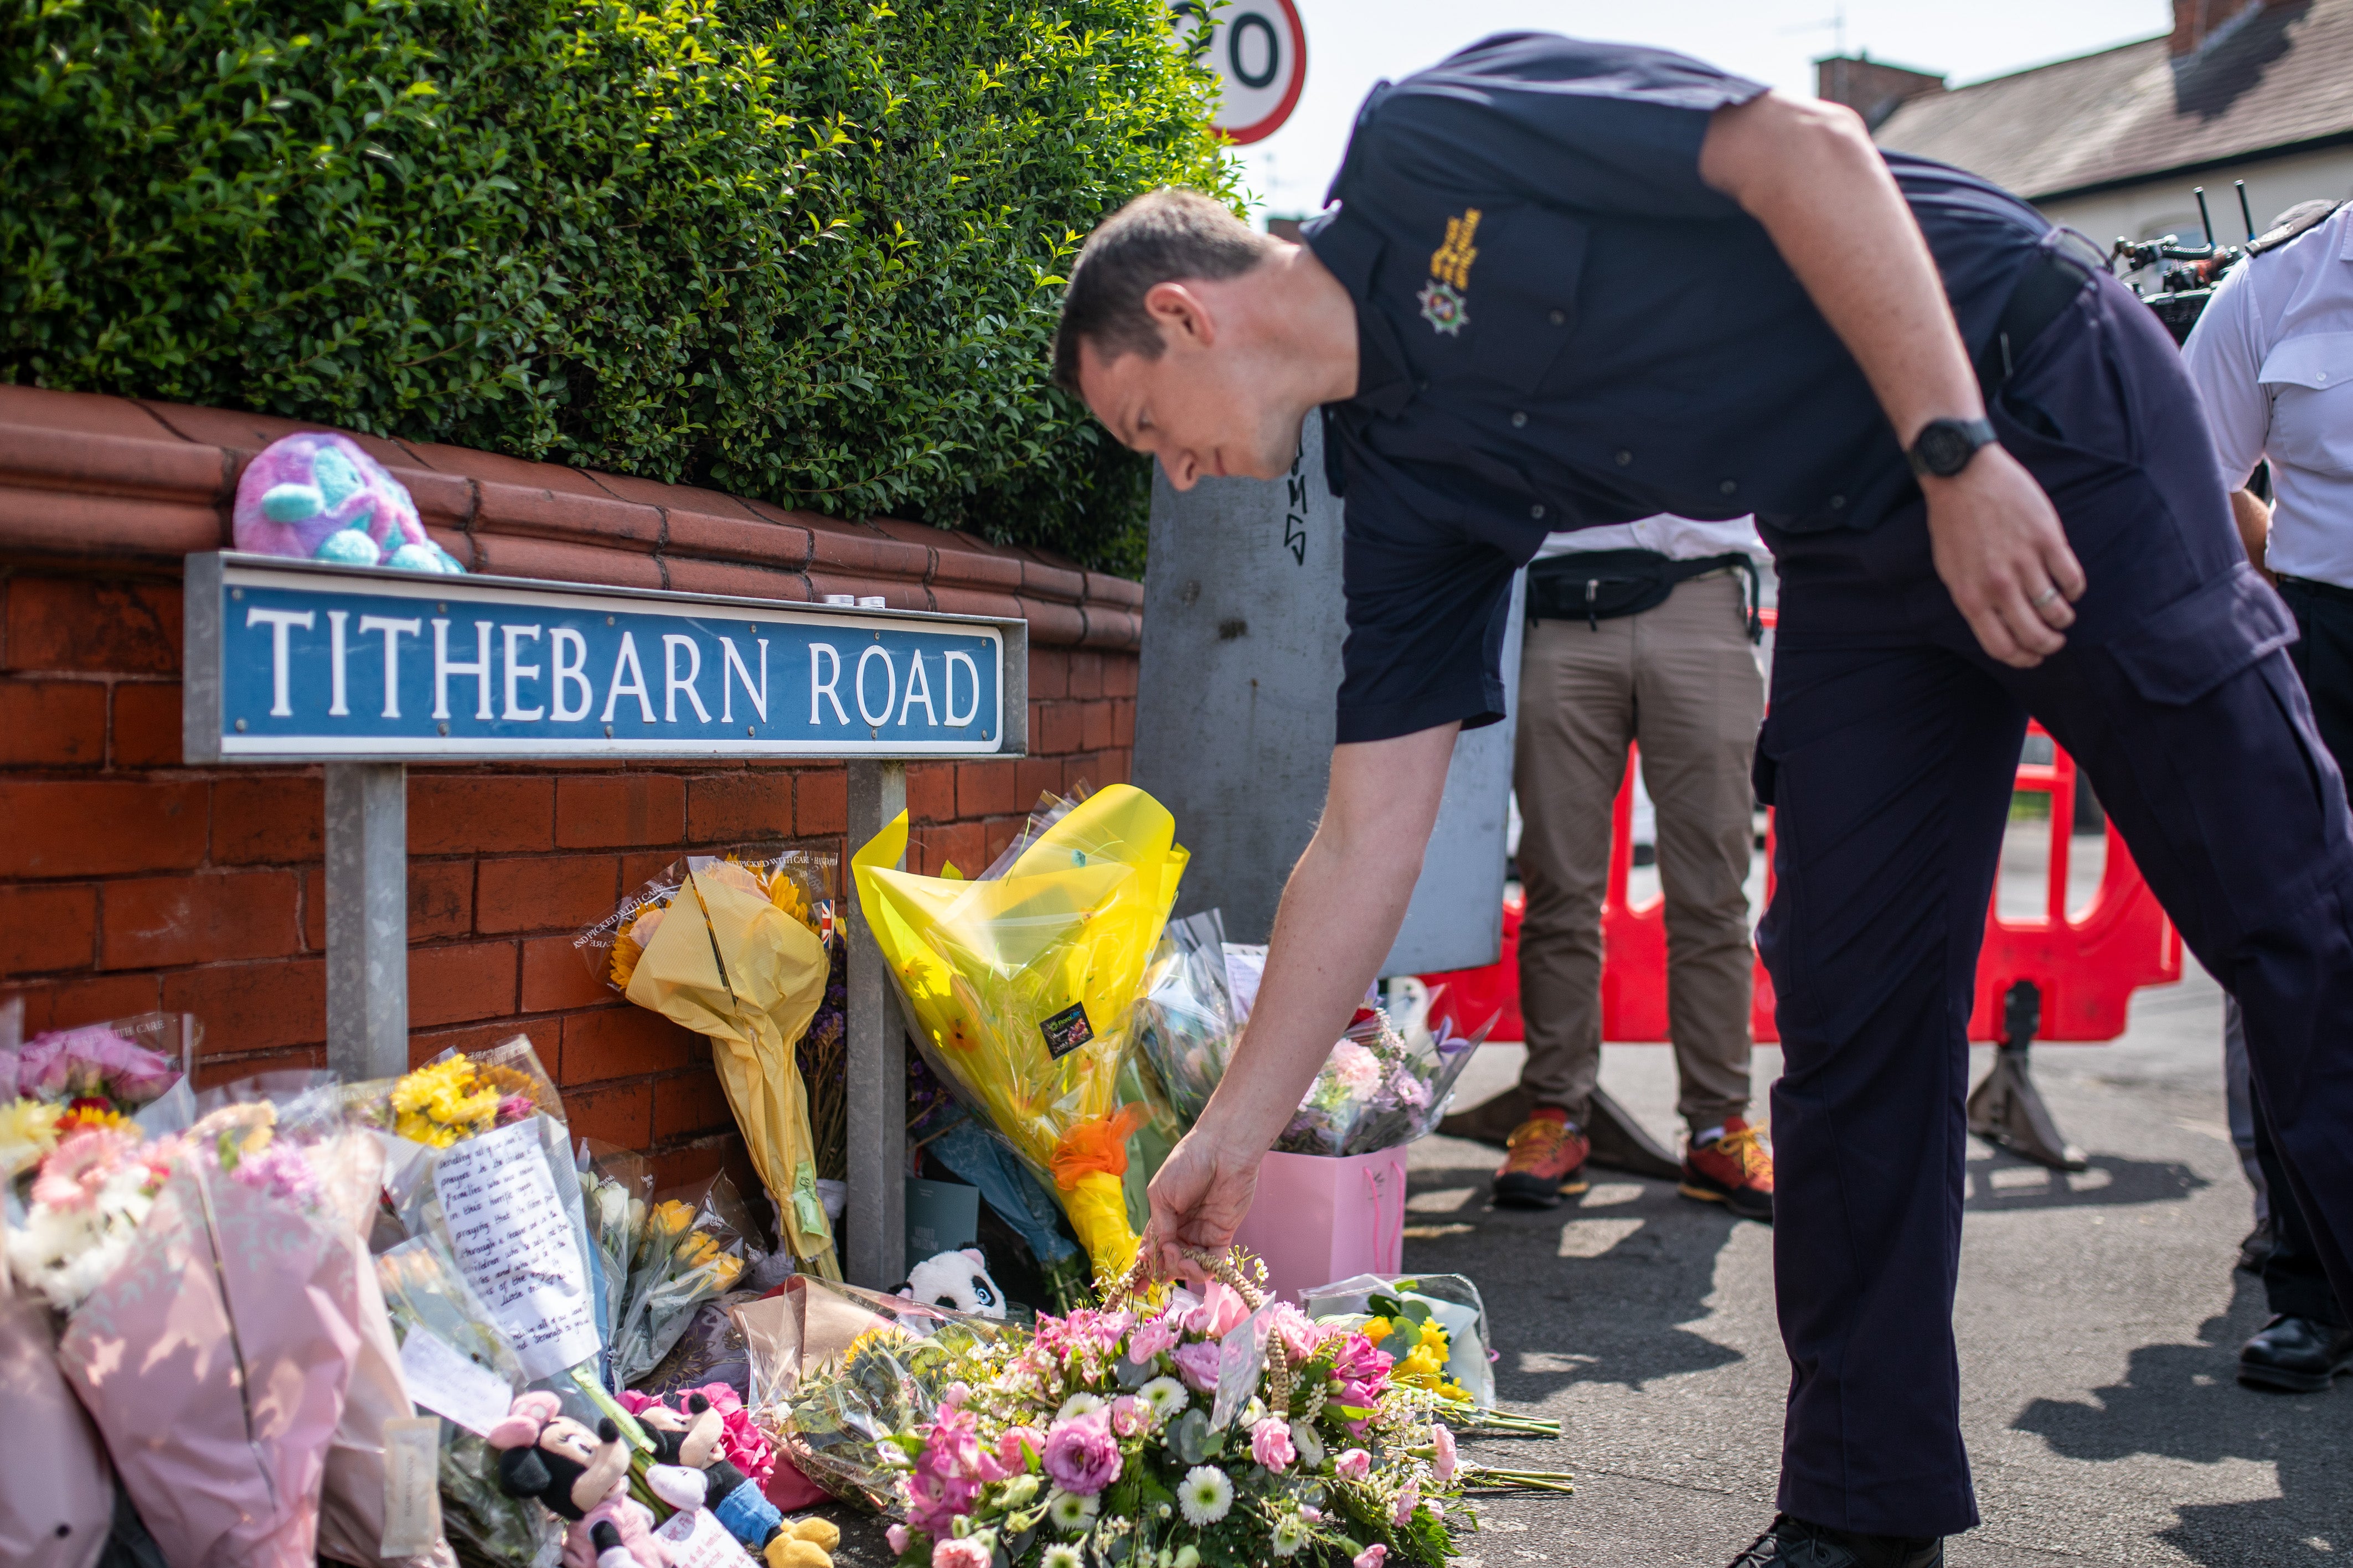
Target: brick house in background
column 2111, row 143
column 130, row 882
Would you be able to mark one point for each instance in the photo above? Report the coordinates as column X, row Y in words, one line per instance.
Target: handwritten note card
column 515, row 1243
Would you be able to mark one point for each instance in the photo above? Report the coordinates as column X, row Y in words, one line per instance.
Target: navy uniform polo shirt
column 1560, row 325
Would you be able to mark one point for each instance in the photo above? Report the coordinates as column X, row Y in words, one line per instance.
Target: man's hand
column 1998, row 547
column 1339, row 916
column 1200, row 1198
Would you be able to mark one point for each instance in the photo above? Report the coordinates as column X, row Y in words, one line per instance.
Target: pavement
column 2098, row 1315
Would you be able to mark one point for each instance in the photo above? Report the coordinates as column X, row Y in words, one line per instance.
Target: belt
column 2050, row 284
column 2318, row 590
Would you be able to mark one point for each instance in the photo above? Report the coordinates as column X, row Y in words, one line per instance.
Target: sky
column 1351, row 43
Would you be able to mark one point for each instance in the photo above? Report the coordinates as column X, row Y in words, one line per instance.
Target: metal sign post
column 368, row 670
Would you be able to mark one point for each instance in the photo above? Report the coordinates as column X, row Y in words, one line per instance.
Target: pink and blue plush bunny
column 318, row 497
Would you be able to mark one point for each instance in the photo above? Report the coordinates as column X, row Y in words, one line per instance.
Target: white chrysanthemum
column 1167, row 1396
column 1070, row 1511
column 1205, row 1495
column 1061, row 1555
column 1079, row 1404
column 1290, row 1535
column 1309, row 1446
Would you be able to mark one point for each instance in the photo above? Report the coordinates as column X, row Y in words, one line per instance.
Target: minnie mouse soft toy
column 693, row 1475
column 583, row 1477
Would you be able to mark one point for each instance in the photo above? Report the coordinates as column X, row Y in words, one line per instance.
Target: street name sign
column 292, row 661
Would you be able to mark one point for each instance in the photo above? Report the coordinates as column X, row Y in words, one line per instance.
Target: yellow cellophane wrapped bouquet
column 1019, row 987
column 733, row 954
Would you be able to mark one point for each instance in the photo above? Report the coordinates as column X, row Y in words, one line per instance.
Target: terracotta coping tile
column 91, row 413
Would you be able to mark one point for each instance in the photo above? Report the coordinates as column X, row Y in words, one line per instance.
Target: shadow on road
column 2006, row 1183
column 1611, row 1275
column 2181, row 1401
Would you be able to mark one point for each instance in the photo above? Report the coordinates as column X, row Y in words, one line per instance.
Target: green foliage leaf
column 806, row 251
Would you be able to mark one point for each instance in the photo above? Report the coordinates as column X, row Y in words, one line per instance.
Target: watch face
column 1944, row 450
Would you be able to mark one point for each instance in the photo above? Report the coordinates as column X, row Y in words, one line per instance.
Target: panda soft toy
column 958, row 1281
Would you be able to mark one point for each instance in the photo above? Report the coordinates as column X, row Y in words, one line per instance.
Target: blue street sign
column 291, row 661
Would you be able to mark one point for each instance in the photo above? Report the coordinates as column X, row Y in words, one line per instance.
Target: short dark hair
column 1161, row 235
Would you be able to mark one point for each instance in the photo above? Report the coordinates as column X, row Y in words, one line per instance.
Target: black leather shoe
column 2298, row 1355
column 1794, row 1543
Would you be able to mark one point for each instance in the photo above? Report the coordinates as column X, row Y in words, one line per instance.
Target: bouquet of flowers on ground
column 1380, row 1089
column 695, row 1245
column 98, row 1075
column 1213, row 1427
column 1019, row 986
column 614, row 1189
column 735, row 948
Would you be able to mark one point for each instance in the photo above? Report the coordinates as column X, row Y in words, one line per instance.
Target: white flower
column 1071, row 1511
column 1167, row 1396
column 1061, row 1555
column 1078, row 1405
column 1309, row 1446
column 1290, row 1535
column 1252, row 1413
column 1205, row 1495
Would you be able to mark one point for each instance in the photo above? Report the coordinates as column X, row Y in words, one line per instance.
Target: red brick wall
column 130, row 882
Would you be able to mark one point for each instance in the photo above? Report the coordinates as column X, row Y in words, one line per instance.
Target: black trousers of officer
column 1889, row 754
column 2294, row 1284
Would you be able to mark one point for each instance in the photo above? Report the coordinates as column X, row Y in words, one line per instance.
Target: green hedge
column 805, row 251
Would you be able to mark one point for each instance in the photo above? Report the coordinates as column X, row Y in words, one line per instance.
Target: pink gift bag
column 1318, row 1218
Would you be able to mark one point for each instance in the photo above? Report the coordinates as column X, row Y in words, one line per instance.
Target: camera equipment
column 2189, row 274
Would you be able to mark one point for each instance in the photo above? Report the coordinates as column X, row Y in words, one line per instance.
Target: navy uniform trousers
column 1889, row 753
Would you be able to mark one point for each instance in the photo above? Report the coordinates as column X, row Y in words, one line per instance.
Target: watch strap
column 1978, row 433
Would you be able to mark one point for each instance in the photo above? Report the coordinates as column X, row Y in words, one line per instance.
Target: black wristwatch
column 1944, row 446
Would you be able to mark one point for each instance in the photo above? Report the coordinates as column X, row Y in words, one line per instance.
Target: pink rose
column 1150, row 1339
column 955, row 1553
column 1369, row 1557
column 1082, row 1456
column 897, row 1536
column 1407, row 1501
column 1197, row 1366
column 1443, row 1441
column 1225, row 1311
column 1127, row 1415
column 1270, row 1443
column 1353, row 1465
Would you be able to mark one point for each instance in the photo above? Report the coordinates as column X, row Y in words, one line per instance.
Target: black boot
column 2295, row 1355
column 1793, row 1543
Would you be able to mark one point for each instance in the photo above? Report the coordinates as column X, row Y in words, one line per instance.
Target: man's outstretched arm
column 1809, row 172
column 1339, row 915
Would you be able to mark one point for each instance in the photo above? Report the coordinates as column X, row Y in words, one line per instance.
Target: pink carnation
column 1082, row 1456
column 1407, row 1501
column 1370, row 1557
column 1354, row 1068
column 1443, row 1441
column 280, row 1171
column 1197, row 1366
column 1353, row 1465
column 897, row 1536
column 68, row 1062
column 1270, row 1443
column 1009, row 1446
column 1297, row 1331
column 955, row 1553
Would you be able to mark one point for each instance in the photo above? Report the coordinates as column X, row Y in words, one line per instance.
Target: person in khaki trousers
column 1641, row 633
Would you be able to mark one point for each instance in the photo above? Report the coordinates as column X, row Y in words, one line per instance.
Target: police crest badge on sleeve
column 1449, row 266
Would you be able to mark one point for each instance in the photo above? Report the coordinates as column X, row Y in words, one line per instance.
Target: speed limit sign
column 1260, row 52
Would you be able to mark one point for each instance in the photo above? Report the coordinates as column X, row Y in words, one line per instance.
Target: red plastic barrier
column 2087, row 963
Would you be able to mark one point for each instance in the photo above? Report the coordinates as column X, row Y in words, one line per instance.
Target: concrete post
column 368, row 920
column 877, row 1219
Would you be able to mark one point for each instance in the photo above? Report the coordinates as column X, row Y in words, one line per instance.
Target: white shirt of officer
column 2273, row 361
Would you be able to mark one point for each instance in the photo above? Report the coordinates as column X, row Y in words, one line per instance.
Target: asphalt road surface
column 2099, row 1322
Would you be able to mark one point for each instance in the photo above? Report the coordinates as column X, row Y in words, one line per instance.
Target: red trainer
column 1546, row 1162
column 1734, row 1169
